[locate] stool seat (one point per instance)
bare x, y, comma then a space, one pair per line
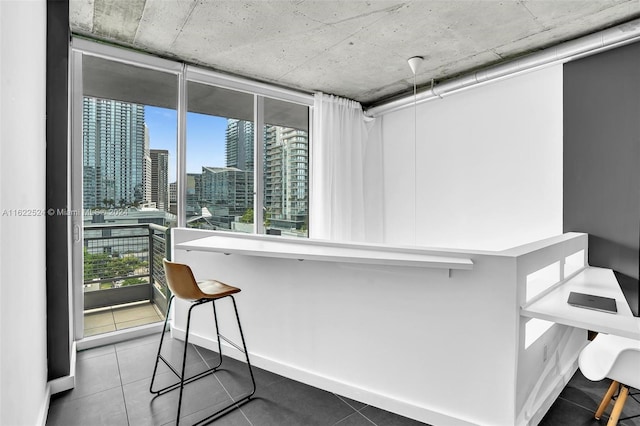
212, 289
183, 285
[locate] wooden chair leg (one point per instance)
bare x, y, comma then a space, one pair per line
606, 399
617, 409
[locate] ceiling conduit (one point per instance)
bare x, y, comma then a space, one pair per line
562, 53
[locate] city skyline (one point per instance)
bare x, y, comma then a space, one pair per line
205, 138
134, 147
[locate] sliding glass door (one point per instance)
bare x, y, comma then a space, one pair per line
124, 150
156, 143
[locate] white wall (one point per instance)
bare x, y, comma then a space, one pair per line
23, 348
489, 166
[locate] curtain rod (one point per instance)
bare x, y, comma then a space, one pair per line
600, 41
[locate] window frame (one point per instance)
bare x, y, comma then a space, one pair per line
189, 73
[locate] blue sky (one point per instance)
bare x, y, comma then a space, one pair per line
205, 138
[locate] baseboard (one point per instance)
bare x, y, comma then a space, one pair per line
58, 385
119, 336
332, 384
64, 383
44, 409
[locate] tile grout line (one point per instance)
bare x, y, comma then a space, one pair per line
221, 384
355, 410
71, 399
604, 415
352, 407
582, 406
124, 400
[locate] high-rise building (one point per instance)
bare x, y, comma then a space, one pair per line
146, 177
239, 144
227, 192
173, 197
194, 194
286, 171
160, 178
113, 153
227, 187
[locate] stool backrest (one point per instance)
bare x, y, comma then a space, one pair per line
181, 281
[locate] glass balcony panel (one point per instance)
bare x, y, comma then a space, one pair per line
124, 282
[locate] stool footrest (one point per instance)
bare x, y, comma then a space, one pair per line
232, 343
187, 380
233, 405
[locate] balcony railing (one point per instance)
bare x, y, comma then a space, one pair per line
123, 264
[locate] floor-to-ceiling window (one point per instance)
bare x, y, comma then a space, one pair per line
157, 144
230, 168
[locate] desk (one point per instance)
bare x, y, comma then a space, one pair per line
553, 305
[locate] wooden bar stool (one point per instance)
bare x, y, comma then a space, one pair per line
184, 286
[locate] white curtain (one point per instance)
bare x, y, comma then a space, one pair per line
346, 172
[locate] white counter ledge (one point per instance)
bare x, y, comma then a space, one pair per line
317, 250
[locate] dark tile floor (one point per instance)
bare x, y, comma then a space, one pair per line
112, 388
580, 399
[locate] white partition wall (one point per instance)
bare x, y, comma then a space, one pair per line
443, 346
486, 169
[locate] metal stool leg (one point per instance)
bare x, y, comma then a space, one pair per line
244, 345
164, 328
159, 357
184, 362
215, 320
235, 404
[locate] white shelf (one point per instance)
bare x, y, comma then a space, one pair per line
279, 247
598, 281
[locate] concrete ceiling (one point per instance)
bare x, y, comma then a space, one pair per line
355, 49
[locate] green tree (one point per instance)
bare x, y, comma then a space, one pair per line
133, 281
267, 218
103, 265
247, 217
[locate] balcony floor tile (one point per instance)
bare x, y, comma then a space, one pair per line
99, 330
98, 319
136, 312
114, 318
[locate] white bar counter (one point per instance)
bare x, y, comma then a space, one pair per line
416, 331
